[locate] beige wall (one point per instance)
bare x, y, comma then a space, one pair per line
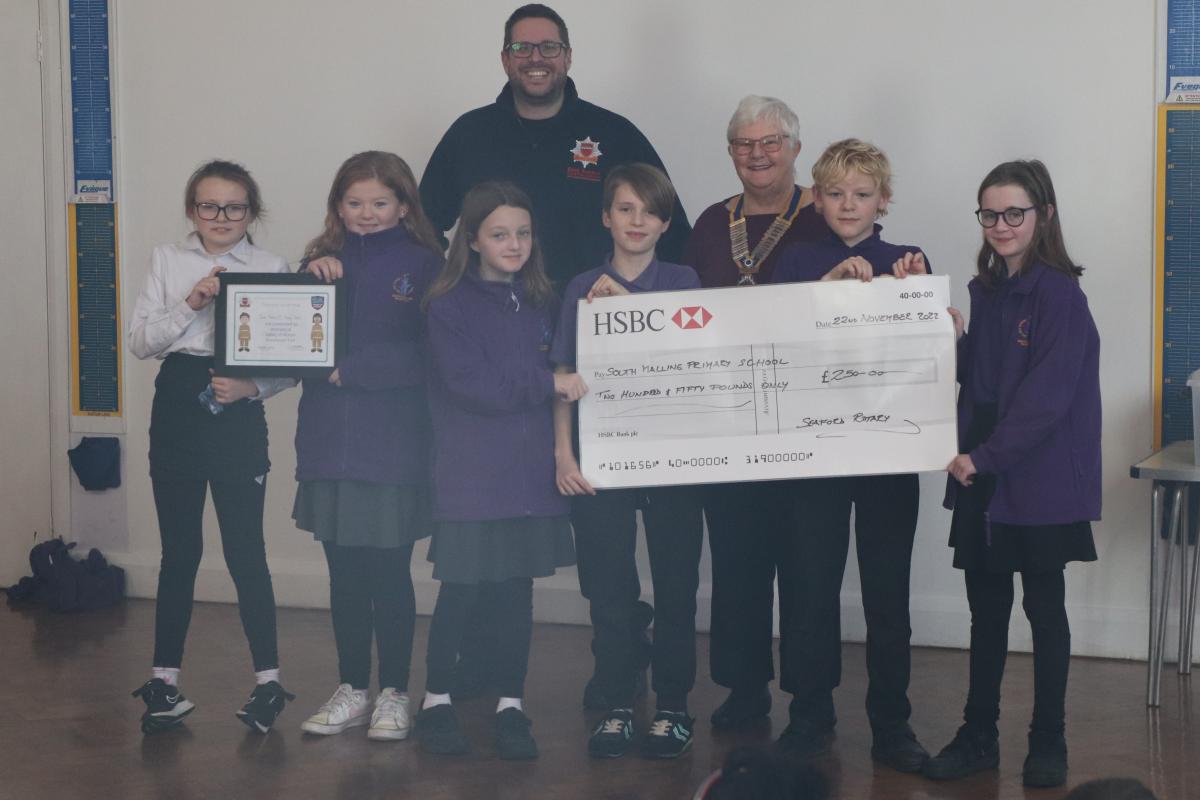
24, 391
947, 87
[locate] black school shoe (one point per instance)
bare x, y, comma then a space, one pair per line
612, 735
438, 731
265, 705
897, 747
742, 708
165, 705
805, 737
972, 750
669, 736
1046, 764
514, 742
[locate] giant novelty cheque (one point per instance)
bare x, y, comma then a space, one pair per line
767, 382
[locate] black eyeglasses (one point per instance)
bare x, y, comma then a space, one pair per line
769, 144
1013, 216
234, 212
525, 49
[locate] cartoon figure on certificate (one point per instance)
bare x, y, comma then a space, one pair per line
318, 335
244, 332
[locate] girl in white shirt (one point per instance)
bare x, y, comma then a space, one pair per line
196, 445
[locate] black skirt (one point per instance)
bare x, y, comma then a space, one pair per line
490, 551
997, 547
190, 442
362, 514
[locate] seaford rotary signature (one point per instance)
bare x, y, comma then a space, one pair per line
790, 380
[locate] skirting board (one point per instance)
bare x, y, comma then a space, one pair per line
937, 621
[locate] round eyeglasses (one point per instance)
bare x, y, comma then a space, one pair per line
1013, 216
234, 212
525, 49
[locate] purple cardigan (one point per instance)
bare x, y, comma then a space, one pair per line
1045, 450
491, 392
374, 427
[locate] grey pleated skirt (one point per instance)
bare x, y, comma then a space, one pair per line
362, 514
496, 550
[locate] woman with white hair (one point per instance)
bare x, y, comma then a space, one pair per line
751, 525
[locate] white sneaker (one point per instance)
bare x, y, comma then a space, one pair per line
390, 720
346, 709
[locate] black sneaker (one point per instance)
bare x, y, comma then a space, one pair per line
805, 737
514, 742
265, 704
165, 705
670, 735
899, 749
1046, 764
438, 731
612, 735
972, 750
742, 708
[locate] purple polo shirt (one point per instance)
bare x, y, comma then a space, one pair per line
658, 276
809, 261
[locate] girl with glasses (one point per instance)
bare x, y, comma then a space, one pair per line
198, 444
1027, 482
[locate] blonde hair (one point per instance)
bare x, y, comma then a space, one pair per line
853, 155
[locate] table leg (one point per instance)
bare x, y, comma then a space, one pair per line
1165, 597
1189, 623
1184, 585
1157, 498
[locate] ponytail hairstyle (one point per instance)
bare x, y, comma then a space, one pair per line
391, 171
227, 171
477, 206
1047, 245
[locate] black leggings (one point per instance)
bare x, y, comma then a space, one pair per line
991, 598
371, 591
239, 506
512, 613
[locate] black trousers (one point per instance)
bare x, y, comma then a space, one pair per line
371, 592
605, 543
885, 512
239, 506
512, 614
749, 533
991, 599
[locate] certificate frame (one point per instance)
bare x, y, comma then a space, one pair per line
285, 300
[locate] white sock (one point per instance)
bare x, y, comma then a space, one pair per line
432, 700
266, 676
168, 675
508, 702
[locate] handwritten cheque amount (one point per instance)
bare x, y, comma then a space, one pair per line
767, 382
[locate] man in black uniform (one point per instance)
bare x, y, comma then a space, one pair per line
541, 136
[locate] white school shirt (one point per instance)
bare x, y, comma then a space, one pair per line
163, 322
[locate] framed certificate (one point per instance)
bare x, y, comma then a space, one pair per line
278, 324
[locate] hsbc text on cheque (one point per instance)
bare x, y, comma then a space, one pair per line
767, 382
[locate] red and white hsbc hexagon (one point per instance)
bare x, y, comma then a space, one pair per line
691, 317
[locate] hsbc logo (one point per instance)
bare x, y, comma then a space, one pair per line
690, 317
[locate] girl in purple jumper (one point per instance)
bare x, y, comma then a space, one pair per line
500, 521
1027, 483
362, 437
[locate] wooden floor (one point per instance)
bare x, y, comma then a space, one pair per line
70, 728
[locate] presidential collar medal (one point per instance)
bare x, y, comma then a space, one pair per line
748, 262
